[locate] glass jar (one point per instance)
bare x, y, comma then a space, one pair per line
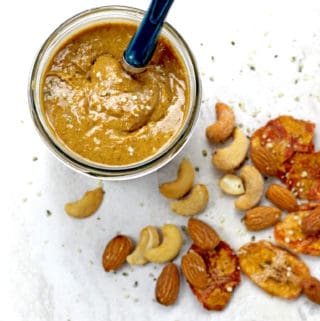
71, 27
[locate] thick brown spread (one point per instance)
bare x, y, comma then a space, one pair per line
104, 114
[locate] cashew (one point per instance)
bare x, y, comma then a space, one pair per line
253, 183
231, 157
223, 127
182, 184
231, 184
149, 238
193, 203
85, 206
169, 248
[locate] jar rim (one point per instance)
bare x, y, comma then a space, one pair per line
65, 154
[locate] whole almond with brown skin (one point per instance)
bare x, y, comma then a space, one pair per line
264, 160
261, 217
203, 235
282, 198
168, 285
194, 269
116, 252
311, 288
311, 223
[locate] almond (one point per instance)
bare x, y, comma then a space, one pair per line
310, 224
311, 288
168, 284
203, 235
282, 197
194, 269
261, 217
264, 160
116, 252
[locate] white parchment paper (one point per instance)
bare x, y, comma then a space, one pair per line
261, 57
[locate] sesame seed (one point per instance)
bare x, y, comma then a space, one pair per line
287, 239
130, 150
269, 145
96, 140
229, 288
304, 174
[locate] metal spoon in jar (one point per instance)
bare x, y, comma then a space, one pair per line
142, 45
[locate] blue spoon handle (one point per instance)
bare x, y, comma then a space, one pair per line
143, 43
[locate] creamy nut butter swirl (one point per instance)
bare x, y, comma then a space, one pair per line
103, 113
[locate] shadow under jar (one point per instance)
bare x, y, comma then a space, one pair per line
97, 118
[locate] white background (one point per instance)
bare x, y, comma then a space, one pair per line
50, 266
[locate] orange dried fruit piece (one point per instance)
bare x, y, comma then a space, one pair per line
274, 270
276, 142
222, 267
303, 175
289, 234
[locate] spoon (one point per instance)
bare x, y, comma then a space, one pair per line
142, 45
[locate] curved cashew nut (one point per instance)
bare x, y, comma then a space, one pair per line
231, 157
194, 203
253, 182
231, 184
149, 238
169, 248
223, 127
85, 206
182, 184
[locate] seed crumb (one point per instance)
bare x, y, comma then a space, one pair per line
229, 288
304, 174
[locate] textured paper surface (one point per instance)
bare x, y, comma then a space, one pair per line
261, 57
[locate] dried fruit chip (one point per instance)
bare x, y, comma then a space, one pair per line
303, 175
289, 234
273, 269
278, 140
222, 266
